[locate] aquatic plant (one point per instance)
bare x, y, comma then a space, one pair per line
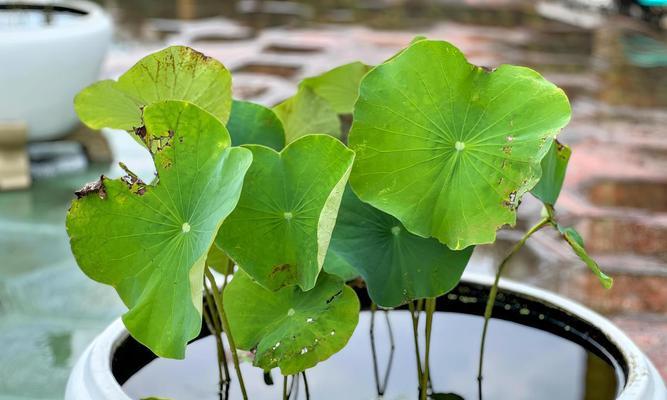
283, 208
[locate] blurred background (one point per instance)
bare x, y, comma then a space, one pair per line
609, 56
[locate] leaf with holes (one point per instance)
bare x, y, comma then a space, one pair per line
339, 86
279, 232
554, 167
396, 265
250, 123
150, 241
307, 113
576, 242
449, 148
175, 73
289, 328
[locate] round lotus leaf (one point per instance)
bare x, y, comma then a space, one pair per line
447, 147
307, 113
174, 73
339, 86
150, 241
251, 123
396, 265
280, 231
289, 328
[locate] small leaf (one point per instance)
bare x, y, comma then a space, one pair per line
289, 328
397, 265
339, 86
447, 147
175, 73
150, 241
218, 260
280, 231
250, 123
307, 113
554, 166
575, 241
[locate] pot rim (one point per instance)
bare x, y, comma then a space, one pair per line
93, 17
92, 378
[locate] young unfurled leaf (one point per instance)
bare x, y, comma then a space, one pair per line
397, 265
554, 166
575, 241
307, 113
447, 147
339, 86
280, 231
289, 328
150, 242
251, 123
175, 73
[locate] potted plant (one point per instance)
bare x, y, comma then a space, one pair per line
51, 50
257, 217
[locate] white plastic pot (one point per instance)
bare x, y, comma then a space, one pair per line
42, 67
92, 379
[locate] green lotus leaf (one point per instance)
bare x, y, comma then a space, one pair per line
339, 86
150, 242
397, 265
336, 265
289, 328
447, 147
280, 231
174, 73
576, 242
250, 123
218, 261
307, 113
554, 166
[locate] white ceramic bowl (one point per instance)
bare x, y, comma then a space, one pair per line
92, 379
44, 66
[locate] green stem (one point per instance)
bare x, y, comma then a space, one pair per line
285, 387
430, 309
222, 377
494, 292
376, 373
225, 327
217, 329
305, 383
414, 316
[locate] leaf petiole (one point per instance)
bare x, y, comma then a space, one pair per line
225, 327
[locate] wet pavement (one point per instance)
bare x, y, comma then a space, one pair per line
613, 68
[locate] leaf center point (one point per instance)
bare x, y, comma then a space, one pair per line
290, 312
287, 215
185, 227
395, 230
459, 146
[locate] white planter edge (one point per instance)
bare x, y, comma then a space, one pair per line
92, 379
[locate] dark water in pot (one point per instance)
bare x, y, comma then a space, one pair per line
548, 356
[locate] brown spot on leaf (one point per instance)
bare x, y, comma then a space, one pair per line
93, 187
277, 269
141, 132
132, 181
